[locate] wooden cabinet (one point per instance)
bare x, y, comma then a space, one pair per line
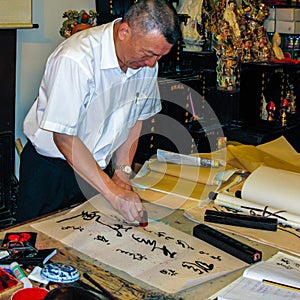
260, 84
8, 182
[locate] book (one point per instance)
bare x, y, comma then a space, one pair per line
277, 278
20, 238
38, 257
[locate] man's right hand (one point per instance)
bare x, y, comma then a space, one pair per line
126, 202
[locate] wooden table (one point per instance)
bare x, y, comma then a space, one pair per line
122, 285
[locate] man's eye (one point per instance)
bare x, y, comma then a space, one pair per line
147, 54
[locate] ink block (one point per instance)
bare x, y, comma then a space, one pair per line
242, 220
227, 243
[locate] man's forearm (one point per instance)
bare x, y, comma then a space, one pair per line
82, 161
125, 154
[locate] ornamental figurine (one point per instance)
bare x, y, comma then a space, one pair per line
227, 63
77, 21
271, 108
231, 16
284, 104
276, 42
248, 54
264, 112
291, 99
192, 38
263, 47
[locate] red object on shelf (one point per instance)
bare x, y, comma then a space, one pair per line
285, 60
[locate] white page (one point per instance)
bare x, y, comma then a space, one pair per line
249, 289
287, 261
269, 271
281, 268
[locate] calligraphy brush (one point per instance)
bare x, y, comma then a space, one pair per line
105, 292
91, 289
160, 296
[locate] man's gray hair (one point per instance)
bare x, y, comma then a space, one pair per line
149, 15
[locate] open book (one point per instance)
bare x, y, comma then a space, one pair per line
277, 278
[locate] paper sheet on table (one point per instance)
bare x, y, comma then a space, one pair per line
185, 184
158, 254
166, 200
203, 175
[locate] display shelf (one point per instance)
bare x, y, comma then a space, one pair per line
267, 82
290, 46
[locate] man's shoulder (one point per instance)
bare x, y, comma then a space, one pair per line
83, 44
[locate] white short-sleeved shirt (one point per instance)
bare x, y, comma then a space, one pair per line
85, 93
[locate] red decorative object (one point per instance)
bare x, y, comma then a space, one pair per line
284, 103
271, 107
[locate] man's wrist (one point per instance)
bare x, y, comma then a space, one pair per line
125, 168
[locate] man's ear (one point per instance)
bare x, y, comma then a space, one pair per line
124, 31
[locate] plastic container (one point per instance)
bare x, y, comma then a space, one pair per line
20, 275
33, 293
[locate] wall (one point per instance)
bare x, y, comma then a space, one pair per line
33, 49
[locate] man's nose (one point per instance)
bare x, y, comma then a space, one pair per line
150, 62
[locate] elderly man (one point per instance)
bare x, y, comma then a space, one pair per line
98, 87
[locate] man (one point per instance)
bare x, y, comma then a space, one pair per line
98, 86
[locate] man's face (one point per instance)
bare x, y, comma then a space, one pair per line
144, 50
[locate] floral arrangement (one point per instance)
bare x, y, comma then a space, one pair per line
77, 21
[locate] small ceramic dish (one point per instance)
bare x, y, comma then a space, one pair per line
59, 272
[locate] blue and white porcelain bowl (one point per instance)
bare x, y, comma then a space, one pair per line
59, 272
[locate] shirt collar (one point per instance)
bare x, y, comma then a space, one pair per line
109, 58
